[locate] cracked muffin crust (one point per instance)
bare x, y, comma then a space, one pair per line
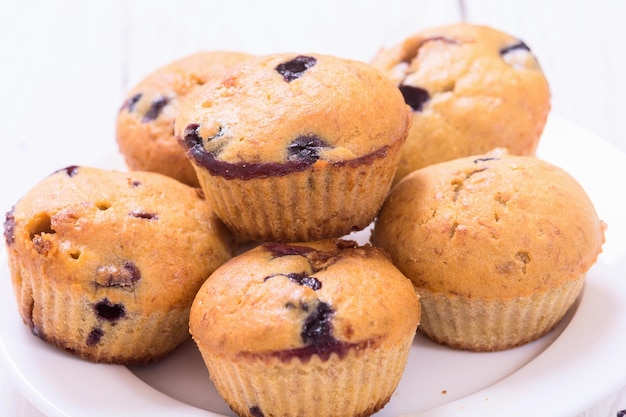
295, 147
145, 121
471, 88
105, 264
497, 245
289, 329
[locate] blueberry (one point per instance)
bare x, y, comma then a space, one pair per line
144, 215
70, 170
94, 336
477, 160
155, 109
515, 47
191, 137
9, 227
415, 97
294, 69
108, 311
318, 329
305, 280
301, 278
305, 148
283, 249
131, 102
255, 411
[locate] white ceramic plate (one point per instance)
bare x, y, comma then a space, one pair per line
562, 374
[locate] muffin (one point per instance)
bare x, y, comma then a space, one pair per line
497, 246
145, 122
294, 147
105, 264
471, 88
308, 329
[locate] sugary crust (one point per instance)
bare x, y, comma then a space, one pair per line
485, 90
251, 306
147, 143
253, 114
490, 227
110, 252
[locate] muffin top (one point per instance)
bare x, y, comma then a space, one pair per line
281, 113
490, 226
298, 300
108, 234
471, 88
145, 122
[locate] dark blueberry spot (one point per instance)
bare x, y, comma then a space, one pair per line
144, 215
132, 270
477, 160
155, 109
191, 139
283, 249
415, 97
294, 69
108, 311
9, 227
621, 413
305, 149
70, 170
134, 183
304, 279
515, 47
301, 278
255, 411
132, 102
94, 336
318, 329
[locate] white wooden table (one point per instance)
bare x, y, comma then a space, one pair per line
66, 65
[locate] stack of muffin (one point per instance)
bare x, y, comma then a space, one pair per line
475, 241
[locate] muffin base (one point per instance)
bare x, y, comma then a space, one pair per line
491, 325
359, 384
326, 200
66, 318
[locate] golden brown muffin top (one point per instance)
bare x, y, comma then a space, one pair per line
284, 112
297, 300
472, 88
145, 122
109, 233
490, 226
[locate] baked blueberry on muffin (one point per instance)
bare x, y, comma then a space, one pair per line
307, 329
471, 88
145, 122
106, 264
497, 246
294, 147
